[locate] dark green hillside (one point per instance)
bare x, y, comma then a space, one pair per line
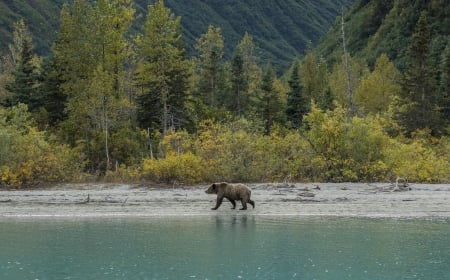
281, 28
376, 27
41, 17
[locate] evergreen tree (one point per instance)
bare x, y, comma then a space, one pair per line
91, 52
314, 79
74, 51
239, 81
53, 99
444, 88
210, 48
418, 101
24, 88
297, 104
252, 73
270, 106
163, 71
326, 102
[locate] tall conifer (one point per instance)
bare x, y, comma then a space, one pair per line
444, 88
418, 100
162, 73
239, 83
297, 104
24, 88
270, 105
210, 48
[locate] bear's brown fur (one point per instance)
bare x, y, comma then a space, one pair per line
232, 192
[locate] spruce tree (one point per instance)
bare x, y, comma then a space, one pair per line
418, 101
444, 87
52, 98
239, 83
163, 72
297, 104
211, 84
24, 88
270, 105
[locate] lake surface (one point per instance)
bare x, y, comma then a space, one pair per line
224, 247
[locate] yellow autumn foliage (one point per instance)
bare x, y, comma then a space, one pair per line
27, 158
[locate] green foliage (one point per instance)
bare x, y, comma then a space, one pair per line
52, 97
444, 88
418, 106
25, 77
314, 76
41, 17
90, 57
377, 27
269, 101
375, 94
162, 72
211, 82
239, 99
297, 105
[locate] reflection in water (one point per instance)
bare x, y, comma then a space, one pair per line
224, 247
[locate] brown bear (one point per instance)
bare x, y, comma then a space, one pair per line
232, 192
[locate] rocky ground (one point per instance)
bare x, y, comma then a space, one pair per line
346, 199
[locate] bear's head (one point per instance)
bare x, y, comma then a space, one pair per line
212, 189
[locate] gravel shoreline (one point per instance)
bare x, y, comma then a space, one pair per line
340, 200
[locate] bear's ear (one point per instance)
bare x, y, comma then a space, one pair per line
213, 186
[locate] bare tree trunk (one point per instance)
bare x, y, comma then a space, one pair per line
105, 123
347, 70
165, 111
150, 148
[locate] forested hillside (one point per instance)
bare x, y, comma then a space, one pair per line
41, 16
377, 27
115, 105
281, 29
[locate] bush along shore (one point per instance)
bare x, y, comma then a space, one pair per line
334, 148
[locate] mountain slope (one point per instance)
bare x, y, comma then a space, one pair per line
41, 17
373, 27
281, 28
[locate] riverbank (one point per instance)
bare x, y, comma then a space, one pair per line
345, 199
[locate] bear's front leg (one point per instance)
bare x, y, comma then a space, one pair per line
232, 202
218, 202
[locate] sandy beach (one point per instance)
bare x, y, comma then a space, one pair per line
115, 200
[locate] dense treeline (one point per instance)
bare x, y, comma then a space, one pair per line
112, 106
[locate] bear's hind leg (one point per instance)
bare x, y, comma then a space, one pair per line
244, 204
251, 202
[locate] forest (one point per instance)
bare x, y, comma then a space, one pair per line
111, 105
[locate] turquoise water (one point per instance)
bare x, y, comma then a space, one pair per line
223, 247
